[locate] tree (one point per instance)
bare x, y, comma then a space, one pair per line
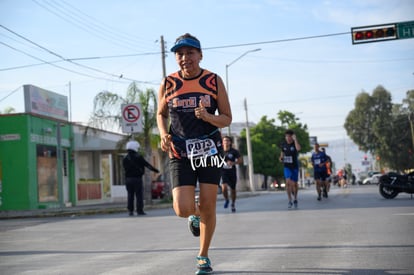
290, 121
382, 128
264, 147
408, 102
107, 114
266, 139
398, 147
8, 110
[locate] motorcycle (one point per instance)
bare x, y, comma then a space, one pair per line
391, 184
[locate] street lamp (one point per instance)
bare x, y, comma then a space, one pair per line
249, 150
227, 71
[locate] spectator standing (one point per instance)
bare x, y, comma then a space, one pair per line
134, 167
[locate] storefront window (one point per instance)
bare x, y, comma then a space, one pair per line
119, 173
88, 165
47, 173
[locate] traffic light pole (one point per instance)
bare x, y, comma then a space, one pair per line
411, 120
383, 32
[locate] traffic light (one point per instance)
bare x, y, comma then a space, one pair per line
374, 33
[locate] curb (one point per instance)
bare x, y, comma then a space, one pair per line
85, 210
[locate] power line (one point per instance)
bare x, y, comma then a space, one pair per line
102, 25
12, 92
67, 60
277, 41
29, 65
226, 46
71, 60
86, 25
54, 65
20, 42
79, 59
157, 53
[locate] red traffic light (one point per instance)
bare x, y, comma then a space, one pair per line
373, 33
369, 34
359, 35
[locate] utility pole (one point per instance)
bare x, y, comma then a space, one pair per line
164, 160
411, 120
164, 74
70, 102
249, 149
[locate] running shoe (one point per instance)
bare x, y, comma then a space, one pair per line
233, 208
226, 204
295, 203
319, 197
203, 266
194, 225
290, 204
325, 194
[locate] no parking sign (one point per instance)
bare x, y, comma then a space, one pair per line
131, 118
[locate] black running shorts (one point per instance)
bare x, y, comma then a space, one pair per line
184, 172
230, 180
320, 175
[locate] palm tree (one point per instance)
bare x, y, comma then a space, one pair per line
8, 110
107, 113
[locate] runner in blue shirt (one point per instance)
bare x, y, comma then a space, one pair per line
319, 160
289, 157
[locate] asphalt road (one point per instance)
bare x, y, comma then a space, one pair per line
354, 231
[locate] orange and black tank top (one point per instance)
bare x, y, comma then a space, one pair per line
183, 96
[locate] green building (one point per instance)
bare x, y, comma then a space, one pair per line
47, 161
36, 170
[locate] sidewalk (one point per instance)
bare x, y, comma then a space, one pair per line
92, 209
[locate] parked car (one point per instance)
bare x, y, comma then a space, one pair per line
374, 179
371, 173
160, 188
277, 185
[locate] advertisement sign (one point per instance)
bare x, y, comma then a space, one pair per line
46, 103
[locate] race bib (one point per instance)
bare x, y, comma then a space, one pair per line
227, 166
317, 161
287, 159
200, 147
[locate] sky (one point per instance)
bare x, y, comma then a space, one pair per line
317, 79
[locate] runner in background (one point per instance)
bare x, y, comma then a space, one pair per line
319, 170
289, 157
328, 173
229, 172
